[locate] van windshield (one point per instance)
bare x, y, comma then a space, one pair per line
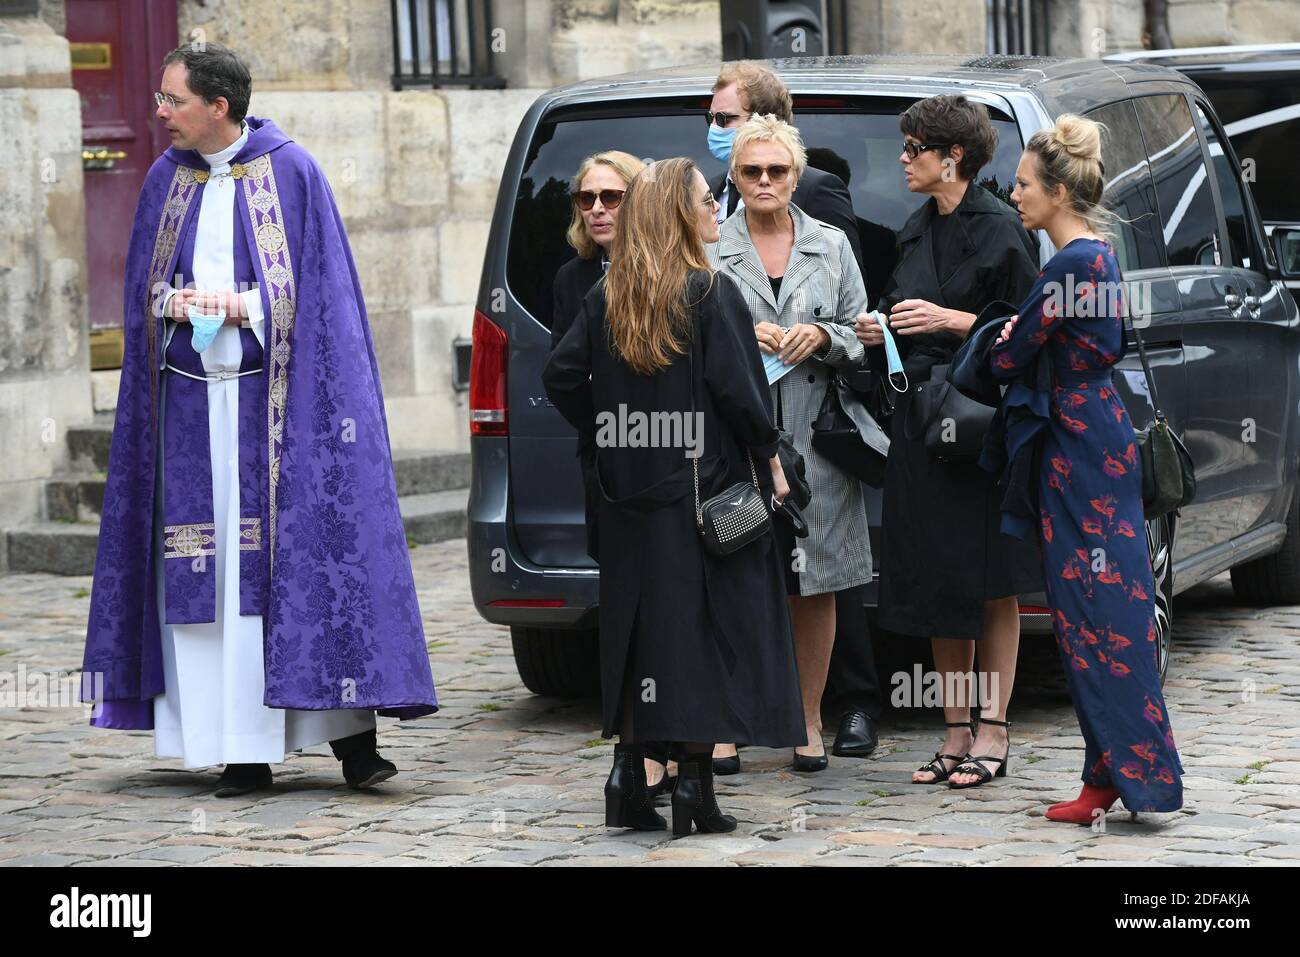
858, 140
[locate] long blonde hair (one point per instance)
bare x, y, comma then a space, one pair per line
656, 247
625, 165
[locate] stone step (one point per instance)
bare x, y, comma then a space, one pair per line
88, 443
68, 548
71, 498
80, 496
430, 470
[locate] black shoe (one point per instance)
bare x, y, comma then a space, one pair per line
367, 769
724, 766
857, 736
809, 763
977, 765
627, 801
239, 779
694, 801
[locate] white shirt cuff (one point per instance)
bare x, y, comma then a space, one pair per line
256, 318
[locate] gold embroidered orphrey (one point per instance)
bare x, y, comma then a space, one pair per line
250, 534
180, 195
267, 220
189, 541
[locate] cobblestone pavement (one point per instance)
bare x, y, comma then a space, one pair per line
501, 776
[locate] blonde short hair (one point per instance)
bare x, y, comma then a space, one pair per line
625, 165
765, 129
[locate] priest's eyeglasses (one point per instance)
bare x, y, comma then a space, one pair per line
609, 198
169, 101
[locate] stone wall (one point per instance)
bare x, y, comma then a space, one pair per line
415, 172
44, 353
1098, 27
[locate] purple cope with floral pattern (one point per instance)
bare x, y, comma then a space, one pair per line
341, 622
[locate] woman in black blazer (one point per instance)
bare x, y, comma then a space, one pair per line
694, 648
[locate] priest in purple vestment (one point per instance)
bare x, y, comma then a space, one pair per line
253, 592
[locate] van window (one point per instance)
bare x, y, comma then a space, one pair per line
1234, 209
1189, 220
1129, 192
854, 138
1257, 108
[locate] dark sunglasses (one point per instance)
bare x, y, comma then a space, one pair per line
723, 119
752, 174
609, 198
916, 149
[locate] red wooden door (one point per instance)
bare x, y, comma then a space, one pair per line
117, 52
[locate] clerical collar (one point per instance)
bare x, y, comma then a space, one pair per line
219, 162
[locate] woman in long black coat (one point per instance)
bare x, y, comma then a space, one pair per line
694, 649
947, 573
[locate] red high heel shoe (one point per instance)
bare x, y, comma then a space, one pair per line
1082, 810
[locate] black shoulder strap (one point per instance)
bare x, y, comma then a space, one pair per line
1146, 368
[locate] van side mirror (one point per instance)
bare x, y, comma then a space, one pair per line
1287, 243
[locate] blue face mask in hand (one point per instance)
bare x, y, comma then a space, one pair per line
720, 142
205, 327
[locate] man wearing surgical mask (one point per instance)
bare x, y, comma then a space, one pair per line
743, 90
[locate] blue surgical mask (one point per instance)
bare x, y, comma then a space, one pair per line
720, 142
204, 328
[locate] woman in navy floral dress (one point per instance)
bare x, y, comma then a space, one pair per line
1095, 560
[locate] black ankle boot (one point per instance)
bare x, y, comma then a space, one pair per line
694, 800
627, 802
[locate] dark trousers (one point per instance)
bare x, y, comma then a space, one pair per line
852, 683
355, 744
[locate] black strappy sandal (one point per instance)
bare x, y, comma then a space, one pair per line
936, 765
976, 766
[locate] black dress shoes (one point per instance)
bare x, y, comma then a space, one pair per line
239, 779
857, 736
367, 769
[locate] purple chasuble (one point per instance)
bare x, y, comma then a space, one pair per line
333, 581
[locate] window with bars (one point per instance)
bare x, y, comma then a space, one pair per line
438, 43
1017, 27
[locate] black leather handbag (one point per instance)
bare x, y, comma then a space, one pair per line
794, 467
1168, 475
732, 519
954, 425
846, 434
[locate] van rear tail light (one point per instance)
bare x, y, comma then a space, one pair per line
487, 378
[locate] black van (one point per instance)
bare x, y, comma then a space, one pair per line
1220, 327
1255, 89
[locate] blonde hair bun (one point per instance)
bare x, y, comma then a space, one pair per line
1078, 136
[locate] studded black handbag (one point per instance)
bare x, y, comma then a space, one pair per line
732, 519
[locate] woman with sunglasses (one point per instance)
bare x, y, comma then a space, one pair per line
598, 189
947, 573
694, 648
803, 287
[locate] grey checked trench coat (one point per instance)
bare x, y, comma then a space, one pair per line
837, 552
